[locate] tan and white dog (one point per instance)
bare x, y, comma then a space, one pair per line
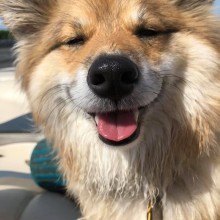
129, 92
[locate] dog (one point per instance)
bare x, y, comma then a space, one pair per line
129, 93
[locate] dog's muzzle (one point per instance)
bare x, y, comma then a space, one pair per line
114, 77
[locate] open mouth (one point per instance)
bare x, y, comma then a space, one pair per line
119, 127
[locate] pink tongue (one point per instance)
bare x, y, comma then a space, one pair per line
117, 126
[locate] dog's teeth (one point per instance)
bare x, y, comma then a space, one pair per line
96, 119
136, 115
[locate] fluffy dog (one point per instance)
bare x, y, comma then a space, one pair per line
129, 93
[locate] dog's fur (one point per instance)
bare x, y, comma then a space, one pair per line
177, 155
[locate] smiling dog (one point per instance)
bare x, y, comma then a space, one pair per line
129, 92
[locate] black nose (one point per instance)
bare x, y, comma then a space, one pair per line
113, 77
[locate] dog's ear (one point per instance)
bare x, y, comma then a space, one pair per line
25, 17
191, 4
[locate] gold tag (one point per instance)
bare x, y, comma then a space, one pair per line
149, 211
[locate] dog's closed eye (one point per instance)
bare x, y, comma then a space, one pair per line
143, 32
77, 41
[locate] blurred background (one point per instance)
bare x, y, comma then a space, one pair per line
18, 135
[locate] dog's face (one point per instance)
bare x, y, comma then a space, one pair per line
123, 82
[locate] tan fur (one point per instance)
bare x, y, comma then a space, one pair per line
177, 154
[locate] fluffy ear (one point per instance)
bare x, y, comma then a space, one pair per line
25, 17
190, 4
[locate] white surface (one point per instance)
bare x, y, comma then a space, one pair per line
2, 26
12, 101
15, 157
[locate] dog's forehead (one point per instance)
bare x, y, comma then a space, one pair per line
111, 14
112, 10
103, 6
